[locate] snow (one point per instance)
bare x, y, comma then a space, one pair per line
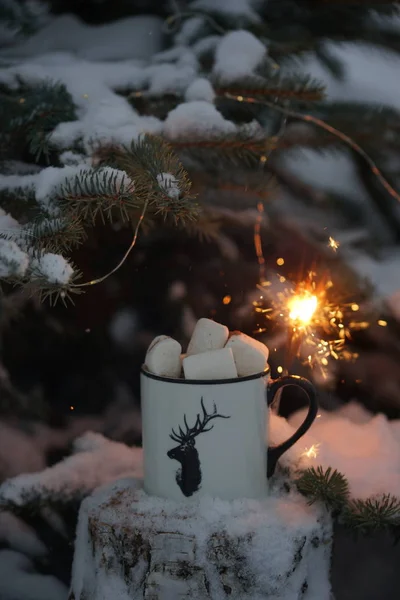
321, 171
237, 55
95, 462
13, 261
70, 158
189, 30
381, 272
364, 66
267, 536
196, 119
53, 267
120, 178
19, 581
49, 180
206, 45
104, 115
170, 79
17, 181
136, 37
362, 446
236, 9
7, 222
169, 184
200, 89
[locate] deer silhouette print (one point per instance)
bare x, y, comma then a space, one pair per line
188, 476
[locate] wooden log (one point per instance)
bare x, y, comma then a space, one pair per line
132, 546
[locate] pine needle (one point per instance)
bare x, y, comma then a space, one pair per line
329, 487
373, 514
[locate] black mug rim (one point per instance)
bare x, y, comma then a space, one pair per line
147, 373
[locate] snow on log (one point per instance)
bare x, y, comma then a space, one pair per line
130, 545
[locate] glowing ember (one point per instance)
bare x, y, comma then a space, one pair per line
312, 452
333, 244
302, 307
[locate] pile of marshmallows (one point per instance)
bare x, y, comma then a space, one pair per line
213, 353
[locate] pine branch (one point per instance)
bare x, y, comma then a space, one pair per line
51, 235
97, 193
54, 235
321, 124
28, 116
19, 16
20, 202
240, 149
301, 88
158, 176
373, 514
329, 487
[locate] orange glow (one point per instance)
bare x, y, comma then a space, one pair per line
302, 307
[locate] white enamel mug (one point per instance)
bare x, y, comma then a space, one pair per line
209, 438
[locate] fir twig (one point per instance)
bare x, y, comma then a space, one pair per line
301, 87
98, 193
323, 125
238, 149
373, 514
123, 259
329, 487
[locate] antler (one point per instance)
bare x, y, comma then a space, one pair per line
199, 426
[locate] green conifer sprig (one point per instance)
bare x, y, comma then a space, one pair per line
53, 235
20, 202
19, 16
373, 514
99, 193
301, 88
30, 114
40, 286
331, 488
128, 184
146, 160
242, 148
50, 235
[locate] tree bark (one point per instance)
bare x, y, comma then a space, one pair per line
132, 546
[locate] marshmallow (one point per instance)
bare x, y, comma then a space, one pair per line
164, 357
207, 335
215, 364
250, 355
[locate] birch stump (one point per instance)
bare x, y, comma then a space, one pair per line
130, 546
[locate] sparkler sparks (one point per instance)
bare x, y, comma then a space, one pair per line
334, 244
302, 307
317, 325
311, 452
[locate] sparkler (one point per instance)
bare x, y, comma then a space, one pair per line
317, 325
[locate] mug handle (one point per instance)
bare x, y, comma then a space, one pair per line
276, 452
